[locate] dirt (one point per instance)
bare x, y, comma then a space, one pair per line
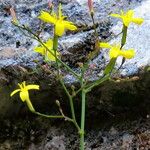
35, 133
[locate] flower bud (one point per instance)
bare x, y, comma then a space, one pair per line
50, 5
90, 5
80, 64
13, 14
58, 103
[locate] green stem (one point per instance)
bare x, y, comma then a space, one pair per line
47, 116
96, 83
55, 43
71, 105
94, 25
82, 121
123, 42
55, 46
31, 108
83, 96
124, 36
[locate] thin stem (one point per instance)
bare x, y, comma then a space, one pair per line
47, 116
82, 121
96, 83
55, 46
83, 96
123, 42
61, 111
124, 36
71, 105
31, 108
94, 25
79, 90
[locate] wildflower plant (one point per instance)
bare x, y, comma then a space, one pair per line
49, 50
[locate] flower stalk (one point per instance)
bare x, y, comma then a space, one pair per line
49, 50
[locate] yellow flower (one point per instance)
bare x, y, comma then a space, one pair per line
24, 94
43, 51
115, 51
58, 21
128, 18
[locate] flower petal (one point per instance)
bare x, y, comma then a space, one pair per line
46, 17
14, 92
130, 13
51, 57
39, 50
49, 43
104, 45
126, 21
24, 95
138, 21
128, 53
69, 25
59, 28
30, 106
115, 15
32, 87
113, 53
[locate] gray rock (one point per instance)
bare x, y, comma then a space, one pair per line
127, 141
138, 38
17, 50
76, 11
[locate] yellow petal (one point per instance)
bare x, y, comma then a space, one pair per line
32, 87
104, 45
49, 43
51, 57
59, 28
130, 13
24, 95
39, 50
14, 92
113, 53
126, 21
46, 17
115, 15
138, 21
128, 53
69, 25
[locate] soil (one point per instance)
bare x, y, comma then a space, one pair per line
35, 133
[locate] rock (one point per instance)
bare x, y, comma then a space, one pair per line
17, 59
113, 131
76, 11
127, 141
138, 38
